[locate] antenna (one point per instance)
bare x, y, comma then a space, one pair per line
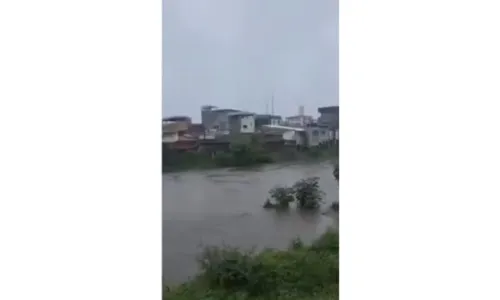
272, 105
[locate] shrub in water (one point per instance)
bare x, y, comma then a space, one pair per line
281, 197
308, 193
336, 172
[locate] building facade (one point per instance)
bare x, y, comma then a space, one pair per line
241, 122
216, 120
329, 116
319, 134
299, 120
261, 120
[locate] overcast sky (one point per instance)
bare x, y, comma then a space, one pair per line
236, 53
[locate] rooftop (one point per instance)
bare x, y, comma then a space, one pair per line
299, 116
283, 127
328, 109
223, 110
176, 119
241, 114
265, 116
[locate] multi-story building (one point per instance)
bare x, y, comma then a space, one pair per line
319, 134
241, 122
329, 116
261, 120
299, 120
216, 120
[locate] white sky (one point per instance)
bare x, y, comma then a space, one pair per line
234, 53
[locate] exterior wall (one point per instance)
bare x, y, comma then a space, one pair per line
318, 135
294, 137
234, 125
275, 121
170, 137
242, 124
329, 116
247, 124
208, 117
261, 120
289, 135
221, 122
299, 120
212, 118
175, 126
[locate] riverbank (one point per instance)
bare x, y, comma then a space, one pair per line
175, 162
300, 272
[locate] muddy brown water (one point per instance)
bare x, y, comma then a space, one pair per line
224, 207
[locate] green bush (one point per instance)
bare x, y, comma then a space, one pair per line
227, 267
301, 272
223, 159
241, 155
281, 197
308, 193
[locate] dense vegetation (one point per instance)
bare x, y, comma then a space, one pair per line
241, 154
300, 272
306, 193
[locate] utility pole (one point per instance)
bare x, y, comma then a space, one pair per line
272, 105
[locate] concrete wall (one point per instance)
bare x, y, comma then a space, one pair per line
298, 121
242, 124
170, 137
295, 137
218, 119
247, 124
222, 122
329, 117
318, 135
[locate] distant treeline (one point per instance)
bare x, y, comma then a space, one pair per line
242, 155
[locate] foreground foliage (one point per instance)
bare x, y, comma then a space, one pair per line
301, 272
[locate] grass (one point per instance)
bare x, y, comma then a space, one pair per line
302, 271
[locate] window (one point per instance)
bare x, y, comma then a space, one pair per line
315, 133
245, 126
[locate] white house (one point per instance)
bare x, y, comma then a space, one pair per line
291, 135
242, 122
317, 135
299, 120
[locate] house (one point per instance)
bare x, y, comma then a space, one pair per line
298, 120
318, 134
295, 136
266, 119
329, 116
216, 120
241, 122
180, 134
172, 126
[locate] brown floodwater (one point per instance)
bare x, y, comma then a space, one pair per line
224, 207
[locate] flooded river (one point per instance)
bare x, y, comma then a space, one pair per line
219, 207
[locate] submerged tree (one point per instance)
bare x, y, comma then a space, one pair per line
336, 172
308, 193
281, 197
